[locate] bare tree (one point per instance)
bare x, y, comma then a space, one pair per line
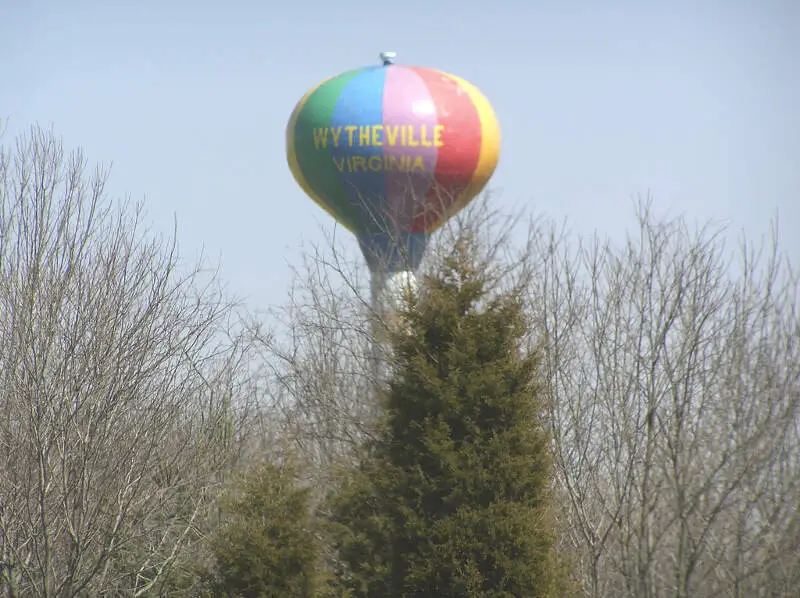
675, 376
122, 402
317, 359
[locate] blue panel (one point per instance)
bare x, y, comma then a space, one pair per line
360, 105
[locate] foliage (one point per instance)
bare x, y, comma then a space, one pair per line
454, 496
265, 546
672, 376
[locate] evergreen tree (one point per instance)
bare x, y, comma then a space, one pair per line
265, 545
453, 497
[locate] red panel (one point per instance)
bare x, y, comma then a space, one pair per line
461, 145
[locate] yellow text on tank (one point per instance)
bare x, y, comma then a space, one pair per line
378, 136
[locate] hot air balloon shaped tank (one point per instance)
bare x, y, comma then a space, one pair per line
391, 152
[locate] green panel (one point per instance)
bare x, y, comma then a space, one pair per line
317, 163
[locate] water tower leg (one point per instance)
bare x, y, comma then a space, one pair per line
388, 291
377, 288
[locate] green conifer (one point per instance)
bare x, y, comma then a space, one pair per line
265, 546
454, 497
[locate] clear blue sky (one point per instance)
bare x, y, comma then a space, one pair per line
696, 101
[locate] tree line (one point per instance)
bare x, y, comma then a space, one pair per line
561, 416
